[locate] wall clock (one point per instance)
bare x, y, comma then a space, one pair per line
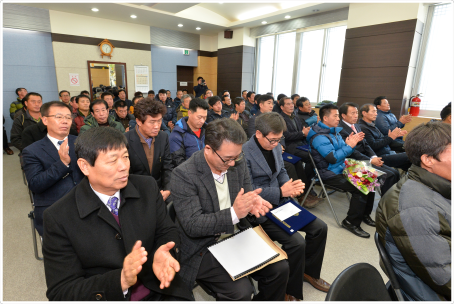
106, 48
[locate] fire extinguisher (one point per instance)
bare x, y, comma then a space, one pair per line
415, 103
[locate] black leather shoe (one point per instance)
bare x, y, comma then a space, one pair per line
369, 221
358, 231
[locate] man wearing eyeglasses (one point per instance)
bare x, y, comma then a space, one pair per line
212, 195
267, 171
50, 164
100, 117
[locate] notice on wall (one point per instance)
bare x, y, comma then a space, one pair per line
183, 84
74, 79
141, 77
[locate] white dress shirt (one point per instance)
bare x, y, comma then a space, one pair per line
350, 125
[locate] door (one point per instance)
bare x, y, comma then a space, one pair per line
185, 78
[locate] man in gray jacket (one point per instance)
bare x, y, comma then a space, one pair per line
414, 216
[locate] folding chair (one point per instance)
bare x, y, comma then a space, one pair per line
323, 193
31, 216
394, 291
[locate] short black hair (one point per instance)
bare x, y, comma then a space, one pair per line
213, 100
198, 103
168, 91
257, 96
200, 77
280, 96
119, 104
162, 91
446, 112
73, 99
282, 100
82, 96
224, 129
148, 106
263, 98
135, 98
89, 144
151, 92
238, 100
28, 96
270, 122
343, 109
44, 110
98, 101
326, 110
300, 101
243, 92
365, 108
377, 101
18, 90
249, 94
84, 92
224, 96
63, 91
138, 93
106, 94
431, 138
121, 90
293, 96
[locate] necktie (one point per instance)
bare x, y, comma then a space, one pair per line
60, 142
354, 129
112, 203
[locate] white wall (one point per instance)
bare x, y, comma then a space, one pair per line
79, 25
241, 36
365, 14
208, 43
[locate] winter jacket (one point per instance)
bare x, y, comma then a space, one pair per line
387, 121
309, 118
78, 120
183, 142
15, 105
125, 121
230, 109
19, 124
328, 149
413, 221
90, 122
294, 136
213, 115
200, 90
376, 140
170, 115
181, 112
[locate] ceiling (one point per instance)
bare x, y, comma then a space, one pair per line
212, 18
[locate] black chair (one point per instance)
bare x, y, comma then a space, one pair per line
394, 289
317, 180
31, 216
359, 282
172, 214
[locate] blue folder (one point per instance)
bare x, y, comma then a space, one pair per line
304, 148
290, 158
295, 222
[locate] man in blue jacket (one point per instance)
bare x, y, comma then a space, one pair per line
188, 136
387, 121
170, 118
329, 151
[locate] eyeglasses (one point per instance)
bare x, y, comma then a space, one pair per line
238, 158
275, 141
61, 117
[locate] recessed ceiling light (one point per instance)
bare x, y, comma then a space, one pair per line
198, 28
287, 17
95, 9
264, 22
315, 10
133, 16
180, 25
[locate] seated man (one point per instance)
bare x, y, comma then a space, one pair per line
243, 114
31, 116
88, 234
109, 98
83, 103
250, 103
178, 99
305, 112
212, 195
170, 118
265, 103
50, 164
266, 170
208, 94
349, 115
122, 96
151, 94
380, 143
121, 114
183, 108
65, 97
414, 217
227, 104
188, 136
329, 151
387, 121
217, 111
99, 117
445, 114
149, 151
74, 105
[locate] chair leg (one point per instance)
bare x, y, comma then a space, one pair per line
329, 201
307, 191
35, 242
23, 177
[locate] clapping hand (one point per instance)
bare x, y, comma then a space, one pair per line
292, 188
63, 152
405, 119
353, 139
250, 202
132, 265
164, 265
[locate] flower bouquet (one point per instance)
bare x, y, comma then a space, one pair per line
362, 176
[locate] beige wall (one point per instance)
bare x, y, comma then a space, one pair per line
241, 36
365, 14
207, 67
79, 25
72, 58
208, 43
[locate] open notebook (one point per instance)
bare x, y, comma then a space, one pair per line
246, 252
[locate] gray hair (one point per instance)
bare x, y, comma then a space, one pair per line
224, 129
270, 122
185, 96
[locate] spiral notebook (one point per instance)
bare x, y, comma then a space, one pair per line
246, 252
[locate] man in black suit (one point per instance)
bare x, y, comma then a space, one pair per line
50, 164
349, 114
265, 103
89, 233
212, 194
149, 150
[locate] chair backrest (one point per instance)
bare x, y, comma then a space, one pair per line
171, 211
388, 266
359, 282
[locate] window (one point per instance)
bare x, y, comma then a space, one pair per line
436, 73
319, 55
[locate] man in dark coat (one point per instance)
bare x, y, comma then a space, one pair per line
89, 233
